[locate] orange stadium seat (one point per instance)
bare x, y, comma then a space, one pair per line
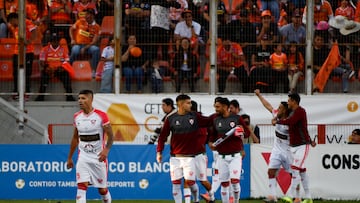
107, 25
7, 46
6, 70
82, 70
103, 43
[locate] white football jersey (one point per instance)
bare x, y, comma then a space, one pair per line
91, 133
282, 131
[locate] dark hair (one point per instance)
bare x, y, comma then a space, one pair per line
224, 101
356, 131
295, 96
285, 104
235, 103
194, 106
12, 16
87, 92
217, 99
293, 43
182, 97
169, 102
245, 116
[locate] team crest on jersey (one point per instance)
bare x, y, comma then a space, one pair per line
232, 124
100, 180
93, 121
191, 121
219, 125
177, 123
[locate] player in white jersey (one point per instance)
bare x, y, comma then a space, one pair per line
280, 153
91, 127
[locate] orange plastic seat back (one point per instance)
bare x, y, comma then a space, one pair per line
82, 70
6, 70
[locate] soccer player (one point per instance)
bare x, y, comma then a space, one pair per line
280, 155
300, 141
230, 159
201, 161
92, 127
184, 126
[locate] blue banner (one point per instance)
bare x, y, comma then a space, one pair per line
39, 172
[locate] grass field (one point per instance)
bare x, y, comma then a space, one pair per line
151, 201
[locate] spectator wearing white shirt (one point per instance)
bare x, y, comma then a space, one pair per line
189, 29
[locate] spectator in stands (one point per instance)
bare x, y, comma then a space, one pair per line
160, 26
52, 58
60, 16
133, 67
231, 60
60, 11
296, 65
357, 12
322, 12
272, 6
320, 53
295, 31
222, 15
253, 10
268, 30
234, 107
37, 11
243, 32
84, 35
279, 64
253, 127
30, 36
105, 8
185, 65
354, 138
137, 14
157, 73
346, 10
80, 7
260, 71
6, 7
189, 29
107, 56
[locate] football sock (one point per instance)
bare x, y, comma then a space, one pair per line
225, 194
305, 184
215, 184
106, 198
294, 182
177, 194
187, 195
272, 187
195, 192
80, 196
236, 189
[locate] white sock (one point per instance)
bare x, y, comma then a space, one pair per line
187, 195
106, 198
305, 184
272, 187
195, 192
177, 194
236, 189
215, 183
225, 194
294, 182
80, 196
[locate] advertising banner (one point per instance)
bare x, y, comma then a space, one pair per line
40, 172
333, 172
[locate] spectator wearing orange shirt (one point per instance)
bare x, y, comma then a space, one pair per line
60, 17
322, 12
80, 7
357, 12
231, 60
84, 35
52, 57
37, 12
6, 7
30, 36
296, 65
279, 64
346, 10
